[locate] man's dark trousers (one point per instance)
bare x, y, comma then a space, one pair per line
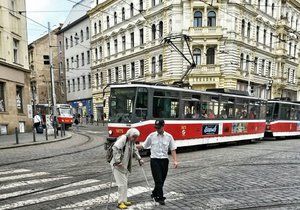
159, 168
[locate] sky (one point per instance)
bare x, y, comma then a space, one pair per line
44, 11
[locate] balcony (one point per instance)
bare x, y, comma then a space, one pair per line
206, 31
207, 70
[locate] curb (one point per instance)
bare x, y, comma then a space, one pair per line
35, 143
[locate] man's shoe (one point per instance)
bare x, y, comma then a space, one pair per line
122, 206
128, 203
161, 202
155, 198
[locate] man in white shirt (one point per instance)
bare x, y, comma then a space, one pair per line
37, 121
159, 143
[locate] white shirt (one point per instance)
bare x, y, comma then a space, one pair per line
37, 119
159, 144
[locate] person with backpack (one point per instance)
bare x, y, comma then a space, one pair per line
123, 151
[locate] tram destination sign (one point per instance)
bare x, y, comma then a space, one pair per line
210, 129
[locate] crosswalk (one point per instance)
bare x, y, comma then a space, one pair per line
21, 188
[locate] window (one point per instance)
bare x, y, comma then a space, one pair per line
95, 28
161, 29
132, 70
292, 21
87, 33
123, 43
160, 61
263, 66
76, 38
243, 28
108, 48
141, 103
82, 59
97, 80
265, 36
197, 56
295, 50
211, 19
266, 6
131, 10
81, 35
273, 7
210, 59
109, 76
117, 74
256, 65
19, 99
83, 83
115, 18
290, 48
141, 6
68, 64
153, 3
247, 63
100, 52
296, 24
124, 73
78, 83
107, 21
71, 40
67, 43
100, 26
197, 19
165, 104
141, 36
142, 68
242, 61
269, 72
132, 39
153, 65
2, 97
271, 40
90, 81
69, 86
116, 46
249, 30
153, 32
72, 63
101, 79
123, 14
77, 61
88, 57
257, 34
258, 2
16, 50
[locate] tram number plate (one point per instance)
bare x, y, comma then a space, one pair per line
210, 129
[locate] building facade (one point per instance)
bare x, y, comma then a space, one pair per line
40, 72
77, 58
14, 72
235, 44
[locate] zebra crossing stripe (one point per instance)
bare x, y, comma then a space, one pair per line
18, 193
7, 178
103, 199
55, 196
14, 171
31, 182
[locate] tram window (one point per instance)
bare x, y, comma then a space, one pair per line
226, 108
141, 103
293, 113
165, 107
276, 111
254, 110
241, 108
209, 109
191, 109
298, 113
269, 112
285, 111
262, 110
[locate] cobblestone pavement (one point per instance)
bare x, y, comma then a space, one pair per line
72, 174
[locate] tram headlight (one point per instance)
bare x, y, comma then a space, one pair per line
110, 132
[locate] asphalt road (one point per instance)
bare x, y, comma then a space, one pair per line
73, 174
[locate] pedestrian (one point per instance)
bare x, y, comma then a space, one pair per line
76, 121
103, 115
37, 121
160, 142
87, 118
92, 119
124, 149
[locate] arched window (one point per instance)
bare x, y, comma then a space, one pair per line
153, 65
131, 10
160, 29
292, 21
95, 28
107, 20
160, 60
100, 26
273, 8
249, 30
87, 33
243, 28
211, 19
210, 55
271, 40
76, 38
96, 54
265, 36
100, 52
197, 56
266, 6
71, 40
123, 14
101, 78
141, 6
247, 62
115, 18
81, 35
290, 48
153, 32
242, 61
97, 80
153, 3
197, 19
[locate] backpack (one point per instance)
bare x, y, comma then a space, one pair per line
109, 150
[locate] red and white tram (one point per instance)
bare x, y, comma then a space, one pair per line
283, 118
192, 117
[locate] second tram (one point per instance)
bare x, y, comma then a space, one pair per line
192, 117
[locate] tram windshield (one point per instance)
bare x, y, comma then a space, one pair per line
121, 104
64, 111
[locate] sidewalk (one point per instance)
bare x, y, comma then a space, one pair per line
26, 139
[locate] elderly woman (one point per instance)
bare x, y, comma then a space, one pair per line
124, 150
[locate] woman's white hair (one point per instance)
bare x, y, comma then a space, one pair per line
132, 132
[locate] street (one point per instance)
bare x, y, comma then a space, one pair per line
73, 174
